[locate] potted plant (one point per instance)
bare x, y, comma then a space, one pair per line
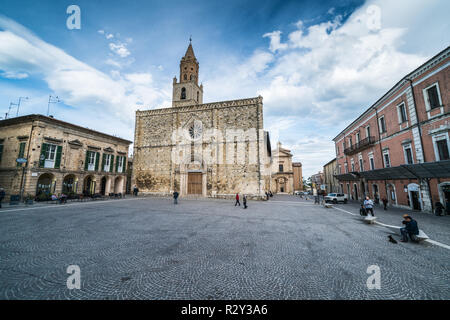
29, 199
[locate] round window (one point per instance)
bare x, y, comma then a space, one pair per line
195, 131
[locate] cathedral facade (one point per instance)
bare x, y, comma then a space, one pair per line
202, 149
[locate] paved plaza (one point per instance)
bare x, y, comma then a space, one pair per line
148, 248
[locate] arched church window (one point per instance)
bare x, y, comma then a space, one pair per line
185, 76
197, 96
183, 93
192, 77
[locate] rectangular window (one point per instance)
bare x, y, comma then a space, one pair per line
387, 160
408, 154
358, 137
382, 124
107, 164
120, 163
361, 165
442, 148
433, 97
50, 156
372, 163
339, 171
402, 113
91, 161
353, 165
21, 152
346, 167
280, 168
367, 131
350, 142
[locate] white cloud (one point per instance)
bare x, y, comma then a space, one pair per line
79, 85
275, 42
139, 78
325, 74
120, 49
113, 63
14, 75
109, 36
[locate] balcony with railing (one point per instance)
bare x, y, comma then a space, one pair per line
361, 145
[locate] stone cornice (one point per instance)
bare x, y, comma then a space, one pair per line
203, 107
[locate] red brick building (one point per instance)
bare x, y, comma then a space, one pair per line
399, 147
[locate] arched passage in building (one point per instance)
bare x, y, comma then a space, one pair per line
375, 193
89, 185
46, 184
69, 184
355, 191
391, 194
118, 185
415, 199
444, 195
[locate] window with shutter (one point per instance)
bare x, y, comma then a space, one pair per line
97, 160
42, 156
58, 157
86, 162
21, 152
50, 156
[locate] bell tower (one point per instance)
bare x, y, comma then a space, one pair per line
187, 92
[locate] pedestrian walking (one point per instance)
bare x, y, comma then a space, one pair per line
385, 202
175, 197
237, 200
135, 191
2, 196
368, 205
244, 201
411, 229
267, 195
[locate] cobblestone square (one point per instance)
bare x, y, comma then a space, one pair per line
149, 248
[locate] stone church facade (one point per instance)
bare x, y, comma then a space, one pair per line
202, 149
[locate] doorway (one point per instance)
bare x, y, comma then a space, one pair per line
195, 185
415, 200
355, 191
103, 186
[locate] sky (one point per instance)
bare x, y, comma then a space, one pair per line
317, 64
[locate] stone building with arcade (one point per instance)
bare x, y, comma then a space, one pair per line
60, 158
